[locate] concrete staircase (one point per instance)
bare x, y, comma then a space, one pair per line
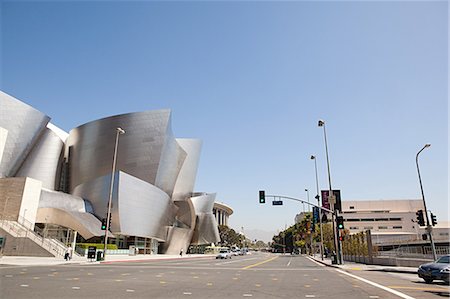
22, 240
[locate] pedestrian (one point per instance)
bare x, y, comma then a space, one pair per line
66, 255
181, 252
69, 250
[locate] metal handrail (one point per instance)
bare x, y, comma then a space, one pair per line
21, 227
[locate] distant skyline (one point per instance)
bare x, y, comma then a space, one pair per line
251, 79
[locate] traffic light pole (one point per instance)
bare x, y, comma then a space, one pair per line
262, 193
429, 228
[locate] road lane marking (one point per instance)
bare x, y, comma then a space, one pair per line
130, 291
235, 261
374, 297
24, 285
75, 288
209, 284
257, 285
310, 296
36, 278
260, 263
187, 293
421, 289
289, 263
9, 275
397, 293
247, 295
307, 286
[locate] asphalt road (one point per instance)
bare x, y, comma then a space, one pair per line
258, 276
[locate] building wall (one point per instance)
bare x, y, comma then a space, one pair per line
19, 199
388, 220
24, 125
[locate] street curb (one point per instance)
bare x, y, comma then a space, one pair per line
325, 264
394, 271
155, 259
391, 270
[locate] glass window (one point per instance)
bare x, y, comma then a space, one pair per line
444, 260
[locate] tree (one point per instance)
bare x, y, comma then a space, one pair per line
229, 237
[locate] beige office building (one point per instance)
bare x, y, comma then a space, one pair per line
389, 221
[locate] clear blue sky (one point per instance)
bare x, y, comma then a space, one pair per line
251, 79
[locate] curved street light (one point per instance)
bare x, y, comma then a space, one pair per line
429, 226
319, 205
321, 123
119, 131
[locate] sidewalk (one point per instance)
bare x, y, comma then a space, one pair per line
364, 267
49, 261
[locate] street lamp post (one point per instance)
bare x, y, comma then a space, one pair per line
321, 123
310, 222
119, 131
319, 205
429, 226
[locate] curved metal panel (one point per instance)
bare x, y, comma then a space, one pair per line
186, 214
63, 201
138, 208
172, 159
3, 136
43, 161
178, 238
204, 203
24, 125
90, 147
84, 223
206, 229
186, 178
144, 210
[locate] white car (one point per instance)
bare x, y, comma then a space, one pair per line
224, 254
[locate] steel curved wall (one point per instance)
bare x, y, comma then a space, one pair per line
138, 208
144, 150
206, 230
186, 178
43, 161
24, 125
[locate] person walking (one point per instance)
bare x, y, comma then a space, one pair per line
181, 252
67, 254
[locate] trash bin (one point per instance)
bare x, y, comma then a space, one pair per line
99, 256
334, 259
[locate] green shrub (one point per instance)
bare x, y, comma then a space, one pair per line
97, 245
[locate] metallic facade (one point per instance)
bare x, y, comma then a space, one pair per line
154, 178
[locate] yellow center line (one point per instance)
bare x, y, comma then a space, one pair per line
420, 289
260, 263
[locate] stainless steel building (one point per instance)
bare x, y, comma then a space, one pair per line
153, 195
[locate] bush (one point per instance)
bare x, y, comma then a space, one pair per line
97, 245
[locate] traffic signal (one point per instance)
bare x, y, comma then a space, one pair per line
109, 222
340, 222
419, 216
433, 219
262, 196
103, 223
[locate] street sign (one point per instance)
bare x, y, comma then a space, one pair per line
336, 198
91, 252
316, 216
277, 203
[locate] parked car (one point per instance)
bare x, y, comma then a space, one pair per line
224, 254
438, 270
